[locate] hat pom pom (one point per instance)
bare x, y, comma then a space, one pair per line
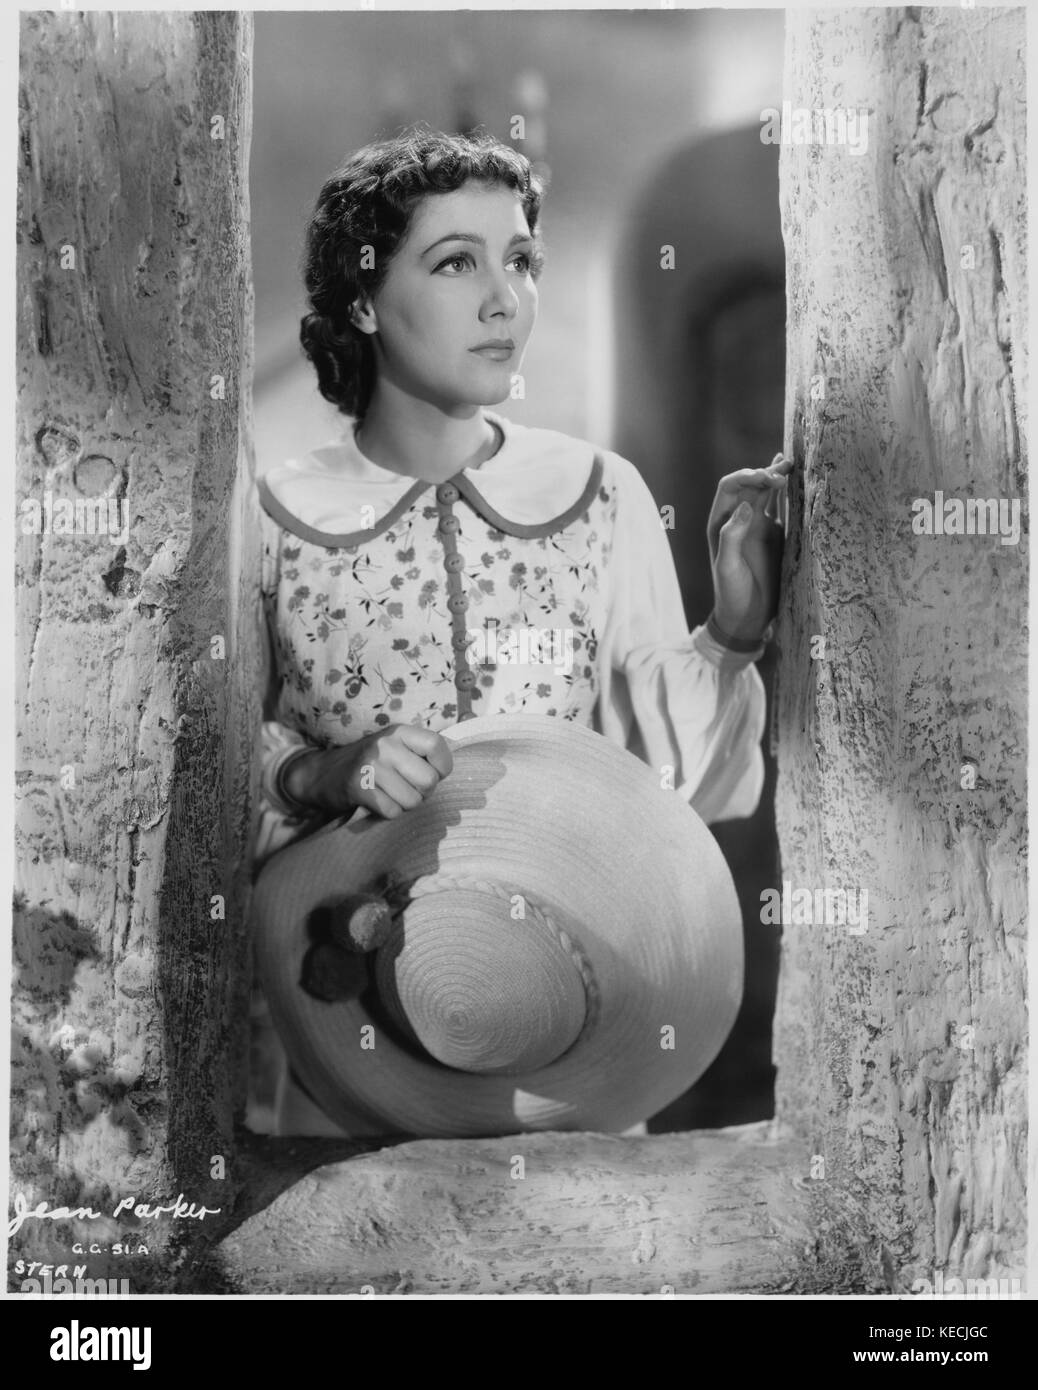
361, 922
334, 968
332, 974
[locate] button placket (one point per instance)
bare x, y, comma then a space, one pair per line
457, 600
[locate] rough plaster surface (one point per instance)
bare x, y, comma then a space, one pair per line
900, 1052
133, 740
541, 1214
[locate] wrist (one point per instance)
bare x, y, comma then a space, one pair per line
315, 781
734, 639
294, 780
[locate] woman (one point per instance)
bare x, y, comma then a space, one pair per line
439, 561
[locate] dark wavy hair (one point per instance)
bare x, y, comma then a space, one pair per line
370, 202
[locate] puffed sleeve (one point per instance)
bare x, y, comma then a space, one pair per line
678, 699
279, 822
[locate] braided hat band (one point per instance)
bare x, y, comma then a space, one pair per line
482, 993
564, 949
485, 978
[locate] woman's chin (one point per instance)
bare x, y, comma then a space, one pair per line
489, 395
496, 392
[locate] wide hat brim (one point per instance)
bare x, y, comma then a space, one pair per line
552, 811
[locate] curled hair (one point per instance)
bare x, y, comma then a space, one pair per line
368, 205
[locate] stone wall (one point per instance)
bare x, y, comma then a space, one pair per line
136, 703
902, 744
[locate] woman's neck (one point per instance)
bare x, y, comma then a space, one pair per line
424, 443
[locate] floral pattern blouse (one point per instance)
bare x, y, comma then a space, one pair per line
540, 582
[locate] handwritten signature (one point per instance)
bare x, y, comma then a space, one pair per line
144, 1211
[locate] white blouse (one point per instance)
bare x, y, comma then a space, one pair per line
551, 531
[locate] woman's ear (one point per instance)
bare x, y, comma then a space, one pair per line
362, 315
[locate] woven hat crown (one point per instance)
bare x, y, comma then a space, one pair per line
483, 978
567, 953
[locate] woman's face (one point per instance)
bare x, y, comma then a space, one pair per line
460, 278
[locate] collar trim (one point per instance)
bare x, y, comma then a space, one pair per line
465, 487
479, 504
330, 539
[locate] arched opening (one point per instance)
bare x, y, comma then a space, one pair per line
699, 312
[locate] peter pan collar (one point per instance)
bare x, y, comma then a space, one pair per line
537, 483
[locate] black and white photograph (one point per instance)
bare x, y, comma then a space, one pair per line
519, 667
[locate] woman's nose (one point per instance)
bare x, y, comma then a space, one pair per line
501, 298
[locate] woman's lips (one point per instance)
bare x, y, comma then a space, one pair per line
498, 354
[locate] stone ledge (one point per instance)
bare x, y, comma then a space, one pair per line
715, 1211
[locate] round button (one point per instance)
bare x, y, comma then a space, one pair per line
457, 603
453, 563
460, 641
465, 680
449, 524
447, 493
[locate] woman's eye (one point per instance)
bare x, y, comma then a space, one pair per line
534, 261
531, 263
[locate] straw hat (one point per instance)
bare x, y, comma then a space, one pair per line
561, 944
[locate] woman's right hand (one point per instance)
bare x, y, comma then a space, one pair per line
387, 772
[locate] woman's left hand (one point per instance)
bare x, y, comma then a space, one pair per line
746, 533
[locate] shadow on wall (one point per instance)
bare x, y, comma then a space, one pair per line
699, 384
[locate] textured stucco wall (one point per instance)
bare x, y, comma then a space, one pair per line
701, 1213
900, 1050
133, 763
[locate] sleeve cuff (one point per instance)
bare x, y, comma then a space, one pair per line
280, 746
721, 655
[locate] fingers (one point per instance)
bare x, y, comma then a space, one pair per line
729, 541
407, 763
733, 531
398, 788
758, 479
744, 522
434, 748
764, 488
414, 770
775, 506
383, 805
